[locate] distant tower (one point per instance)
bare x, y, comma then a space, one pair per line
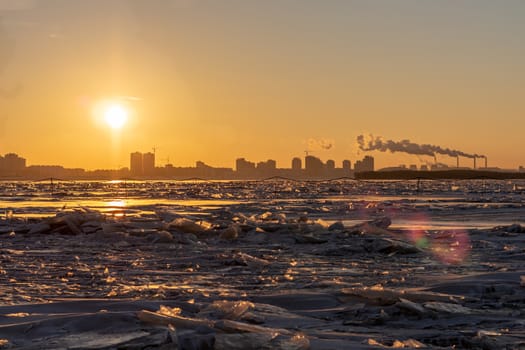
367, 164
135, 164
272, 164
244, 167
313, 166
297, 164
148, 163
347, 165
14, 163
330, 164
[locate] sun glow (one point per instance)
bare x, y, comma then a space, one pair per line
115, 116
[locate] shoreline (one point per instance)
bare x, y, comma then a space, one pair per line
447, 174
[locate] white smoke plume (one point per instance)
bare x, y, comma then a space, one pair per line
320, 144
371, 143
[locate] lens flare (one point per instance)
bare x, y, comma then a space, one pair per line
451, 247
417, 233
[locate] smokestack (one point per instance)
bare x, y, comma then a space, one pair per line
435, 159
474, 163
486, 163
457, 161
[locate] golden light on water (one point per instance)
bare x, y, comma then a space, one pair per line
115, 182
116, 203
116, 208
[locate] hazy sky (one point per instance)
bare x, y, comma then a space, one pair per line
215, 80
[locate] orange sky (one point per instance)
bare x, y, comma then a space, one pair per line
213, 81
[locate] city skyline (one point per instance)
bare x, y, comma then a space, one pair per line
83, 82
149, 160
143, 165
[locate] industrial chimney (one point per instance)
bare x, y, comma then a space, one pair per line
486, 162
457, 161
474, 163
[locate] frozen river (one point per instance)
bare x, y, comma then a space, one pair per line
283, 264
423, 204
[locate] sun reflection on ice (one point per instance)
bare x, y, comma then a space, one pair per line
116, 208
115, 182
116, 204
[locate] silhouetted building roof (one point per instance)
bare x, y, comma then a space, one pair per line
12, 165
244, 166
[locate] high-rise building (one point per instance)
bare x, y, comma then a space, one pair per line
313, 166
330, 164
135, 164
297, 164
367, 164
267, 168
245, 168
242, 165
347, 165
13, 163
148, 163
270, 164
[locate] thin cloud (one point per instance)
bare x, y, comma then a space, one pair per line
10, 93
184, 3
130, 98
17, 5
6, 48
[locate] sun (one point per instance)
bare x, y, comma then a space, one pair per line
115, 116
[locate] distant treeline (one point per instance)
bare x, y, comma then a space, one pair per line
438, 175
